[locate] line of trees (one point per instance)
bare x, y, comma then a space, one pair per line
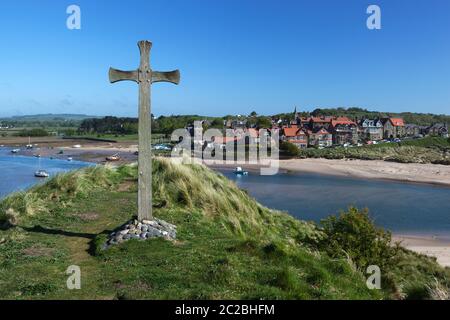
37, 132
163, 124
109, 125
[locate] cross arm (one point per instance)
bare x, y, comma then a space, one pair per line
170, 76
119, 75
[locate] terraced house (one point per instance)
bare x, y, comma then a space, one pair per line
316, 123
320, 138
438, 129
344, 131
371, 129
296, 136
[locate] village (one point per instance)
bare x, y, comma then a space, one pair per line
320, 131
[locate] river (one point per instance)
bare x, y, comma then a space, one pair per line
17, 172
404, 208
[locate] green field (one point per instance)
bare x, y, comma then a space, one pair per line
228, 246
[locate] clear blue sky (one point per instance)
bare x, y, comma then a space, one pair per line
235, 56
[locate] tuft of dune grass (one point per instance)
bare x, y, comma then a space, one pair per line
60, 190
196, 187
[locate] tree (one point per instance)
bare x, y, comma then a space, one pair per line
289, 149
263, 122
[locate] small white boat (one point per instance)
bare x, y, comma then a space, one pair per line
69, 158
29, 145
240, 171
15, 150
41, 174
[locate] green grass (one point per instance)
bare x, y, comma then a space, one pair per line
427, 150
228, 245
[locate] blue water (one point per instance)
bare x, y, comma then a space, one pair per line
404, 208
17, 172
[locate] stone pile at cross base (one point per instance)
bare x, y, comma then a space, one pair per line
142, 230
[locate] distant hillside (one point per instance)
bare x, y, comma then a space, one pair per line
424, 119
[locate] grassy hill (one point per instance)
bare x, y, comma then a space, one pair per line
228, 245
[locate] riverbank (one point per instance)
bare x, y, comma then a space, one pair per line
366, 169
77, 149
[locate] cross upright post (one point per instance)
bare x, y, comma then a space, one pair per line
144, 76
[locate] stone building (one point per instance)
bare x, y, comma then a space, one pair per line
393, 128
371, 129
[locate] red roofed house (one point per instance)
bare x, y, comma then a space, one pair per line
320, 138
393, 128
295, 135
316, 123
344, 130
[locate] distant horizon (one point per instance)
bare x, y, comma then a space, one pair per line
211, 116
237, 56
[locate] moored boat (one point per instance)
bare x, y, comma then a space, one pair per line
41, 174
29, 145
240, 171
114, 157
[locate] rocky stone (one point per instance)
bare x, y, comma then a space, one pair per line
142, 230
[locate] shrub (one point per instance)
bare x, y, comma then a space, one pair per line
289, 149
353, 234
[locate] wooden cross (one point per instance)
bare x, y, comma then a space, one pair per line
144, 76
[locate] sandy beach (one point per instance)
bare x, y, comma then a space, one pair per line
367, 169
373, 169
430, 246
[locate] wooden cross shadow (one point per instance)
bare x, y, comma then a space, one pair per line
91, 236
40, 229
